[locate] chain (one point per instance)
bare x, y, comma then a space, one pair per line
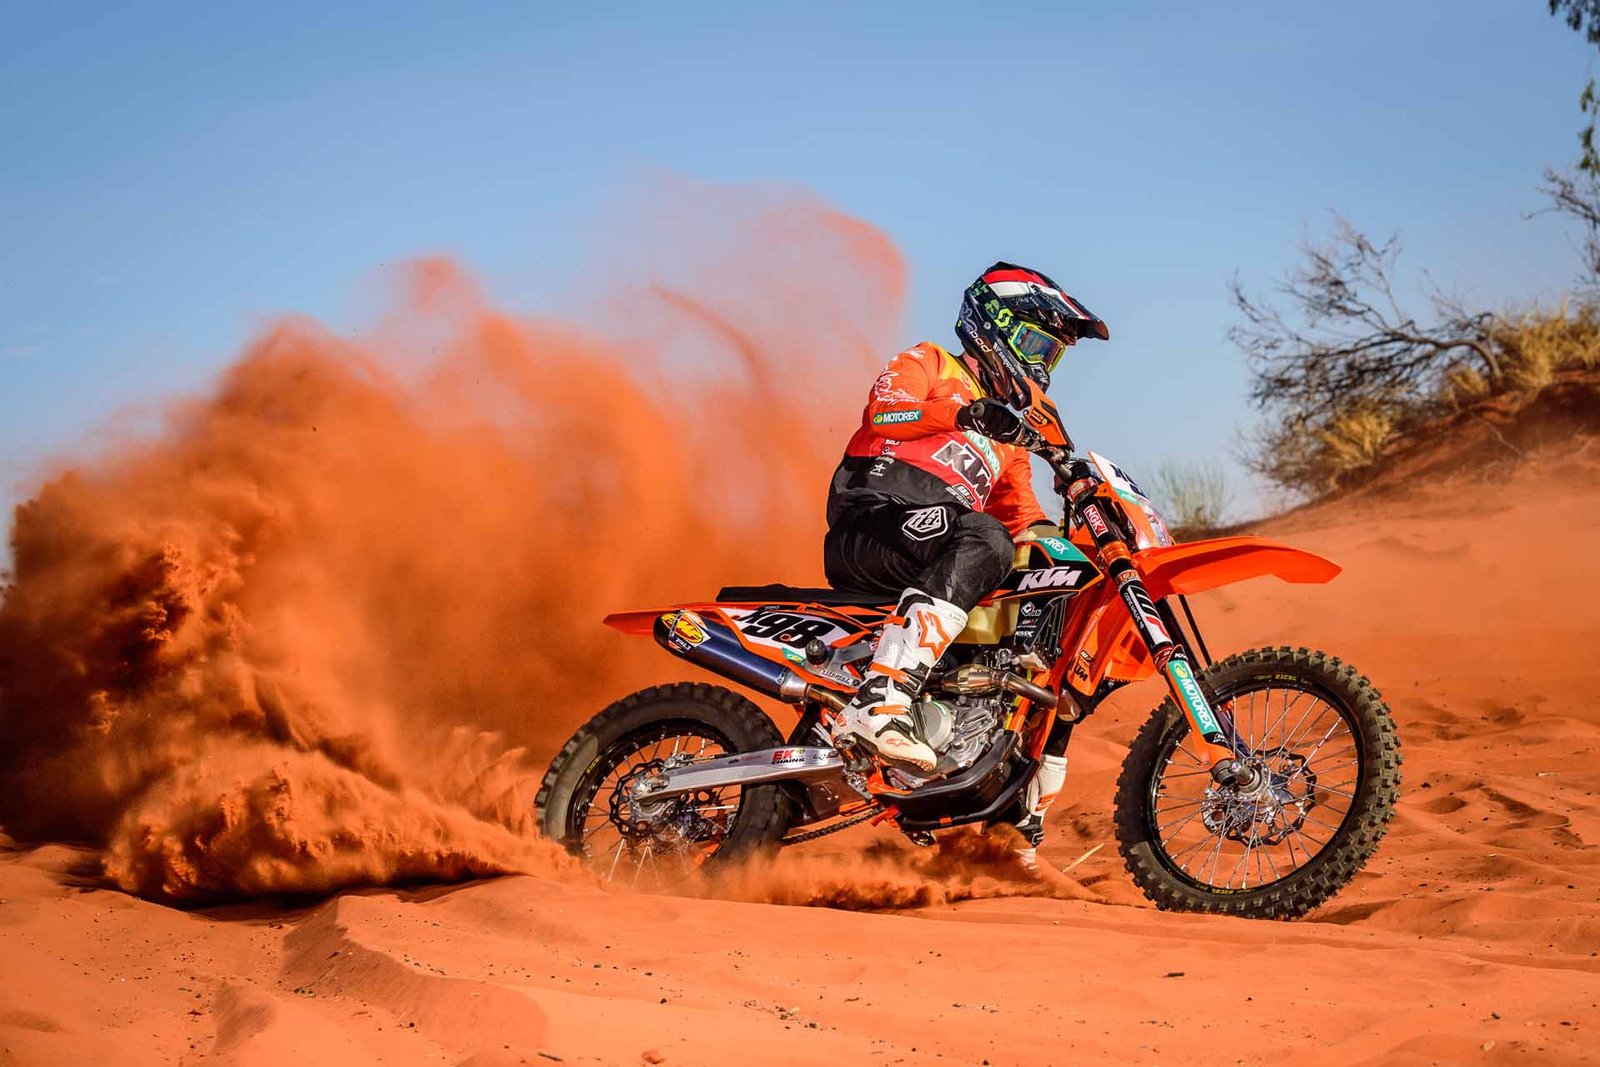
812, 835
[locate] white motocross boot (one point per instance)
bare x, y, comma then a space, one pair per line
913, 639
1041, 793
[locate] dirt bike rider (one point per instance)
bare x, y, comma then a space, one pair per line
933, 491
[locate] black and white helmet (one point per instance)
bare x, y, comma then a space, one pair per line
1016, 323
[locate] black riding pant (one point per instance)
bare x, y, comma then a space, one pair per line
942, 549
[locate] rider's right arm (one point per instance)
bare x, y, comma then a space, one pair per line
899, 407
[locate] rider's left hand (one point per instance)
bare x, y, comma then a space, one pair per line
992, 419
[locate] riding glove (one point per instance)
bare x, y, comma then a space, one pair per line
992, 419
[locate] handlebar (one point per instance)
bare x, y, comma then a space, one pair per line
1067, 467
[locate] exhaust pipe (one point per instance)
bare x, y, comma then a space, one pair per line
975, 679
709, 644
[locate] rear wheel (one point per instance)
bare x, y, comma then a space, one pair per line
585, 801
1327, 759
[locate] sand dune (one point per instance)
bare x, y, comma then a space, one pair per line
1474, 605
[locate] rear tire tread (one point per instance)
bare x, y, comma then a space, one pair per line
765, 811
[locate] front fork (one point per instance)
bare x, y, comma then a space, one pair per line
1228, 758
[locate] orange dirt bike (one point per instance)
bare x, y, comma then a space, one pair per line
1258, 788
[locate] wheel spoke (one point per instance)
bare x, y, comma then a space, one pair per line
1309, 756
1282, 717
1190, 756
1283, 730
1187, 819
615, 857
1326, 826
674, 833
1316, 702
1216, 857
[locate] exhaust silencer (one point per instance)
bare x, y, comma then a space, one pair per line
709, 644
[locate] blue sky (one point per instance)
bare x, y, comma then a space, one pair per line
172, 176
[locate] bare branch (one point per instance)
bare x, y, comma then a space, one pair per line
1338, 341
1578, 198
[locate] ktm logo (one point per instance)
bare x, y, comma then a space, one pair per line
1053, 578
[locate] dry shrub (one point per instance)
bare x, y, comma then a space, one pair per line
1463, 385
1309, 459
1531, 348
1534, 345
1193, 496
1355, 439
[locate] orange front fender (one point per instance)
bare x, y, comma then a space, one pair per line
1196, 566
1111, 644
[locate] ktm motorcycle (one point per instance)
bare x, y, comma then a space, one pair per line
1258, 788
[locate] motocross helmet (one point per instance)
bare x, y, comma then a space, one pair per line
1016, 323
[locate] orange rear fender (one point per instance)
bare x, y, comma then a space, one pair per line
635, 623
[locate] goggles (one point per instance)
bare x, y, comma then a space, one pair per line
1037, 348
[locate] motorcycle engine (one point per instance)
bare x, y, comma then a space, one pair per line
958, 728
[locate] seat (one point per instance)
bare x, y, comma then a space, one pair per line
792, 594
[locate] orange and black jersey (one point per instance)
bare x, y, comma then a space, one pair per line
910, 449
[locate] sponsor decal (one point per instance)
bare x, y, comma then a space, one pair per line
1097, 522
789, 755
1056, 546
843, 676
962, 458
1143, 609
1028, 619
985, 447
896, 416
787, 629
1189, 689
925, 524
888, 390
961, 493
1052, 578
688, 631
1158, 524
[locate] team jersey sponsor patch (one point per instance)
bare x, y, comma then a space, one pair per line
925, 524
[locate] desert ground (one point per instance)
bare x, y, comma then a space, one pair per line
1472, 601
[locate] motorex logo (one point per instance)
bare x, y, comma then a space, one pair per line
896, 416
1190, 691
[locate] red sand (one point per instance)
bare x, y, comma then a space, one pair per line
1472, 937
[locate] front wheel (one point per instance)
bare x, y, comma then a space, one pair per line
584, 801
1328, 761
